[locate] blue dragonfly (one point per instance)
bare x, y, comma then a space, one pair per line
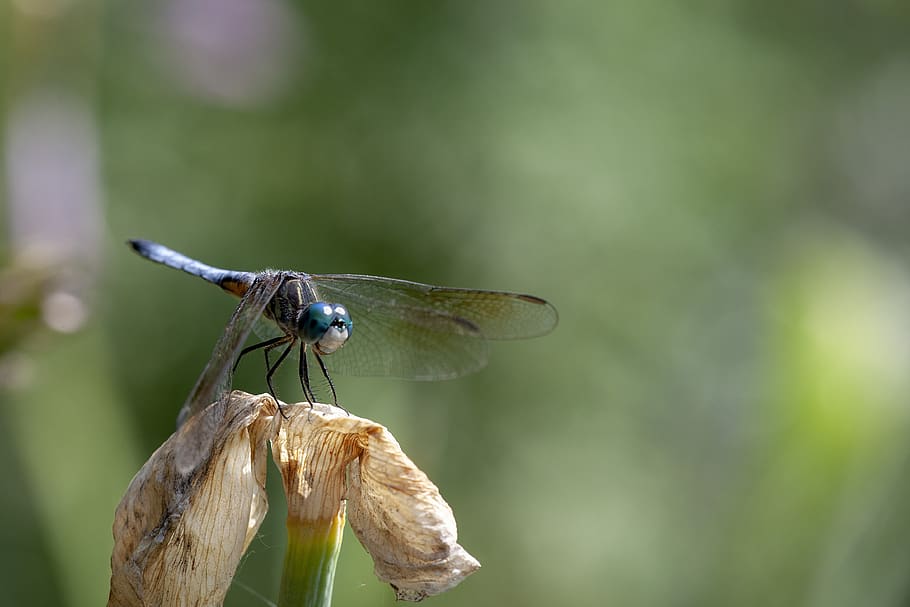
403, 329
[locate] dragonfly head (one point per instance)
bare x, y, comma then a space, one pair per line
324, 326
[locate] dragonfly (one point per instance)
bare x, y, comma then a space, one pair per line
354, 324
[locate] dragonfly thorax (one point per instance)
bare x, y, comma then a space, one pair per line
324, 326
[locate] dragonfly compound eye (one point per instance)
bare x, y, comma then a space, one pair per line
326, 326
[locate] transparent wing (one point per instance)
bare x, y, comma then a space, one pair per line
417, 331
265, 328
215, 380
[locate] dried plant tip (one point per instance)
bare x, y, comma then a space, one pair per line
180, 531
192, 510
312, 461
402, 520
395, 511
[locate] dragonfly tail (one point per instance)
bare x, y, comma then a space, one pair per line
231, 281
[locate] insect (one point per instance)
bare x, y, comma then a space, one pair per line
355, 324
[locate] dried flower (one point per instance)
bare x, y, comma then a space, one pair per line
180, 531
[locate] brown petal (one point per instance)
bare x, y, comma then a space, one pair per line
401, 519
395, 511
180, 530
313, 450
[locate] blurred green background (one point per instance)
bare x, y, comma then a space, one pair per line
713, 194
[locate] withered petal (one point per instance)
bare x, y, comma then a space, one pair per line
400, 517
179, 532
396, 512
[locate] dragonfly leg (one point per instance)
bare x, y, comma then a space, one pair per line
268, 345
273, 368
328, 379
305, 377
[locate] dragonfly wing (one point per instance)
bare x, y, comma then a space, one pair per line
265, 328
383, 344
215, 380
417, 331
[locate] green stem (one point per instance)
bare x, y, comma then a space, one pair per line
309, 563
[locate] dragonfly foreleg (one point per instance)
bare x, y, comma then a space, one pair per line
268, 345
305, 377
273, 368
328, 379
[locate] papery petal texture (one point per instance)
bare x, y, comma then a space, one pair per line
179, 533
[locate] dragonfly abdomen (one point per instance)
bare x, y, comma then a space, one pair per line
231, 281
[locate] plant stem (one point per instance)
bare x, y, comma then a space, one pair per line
309, 563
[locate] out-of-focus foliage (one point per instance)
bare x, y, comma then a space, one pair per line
713, 194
